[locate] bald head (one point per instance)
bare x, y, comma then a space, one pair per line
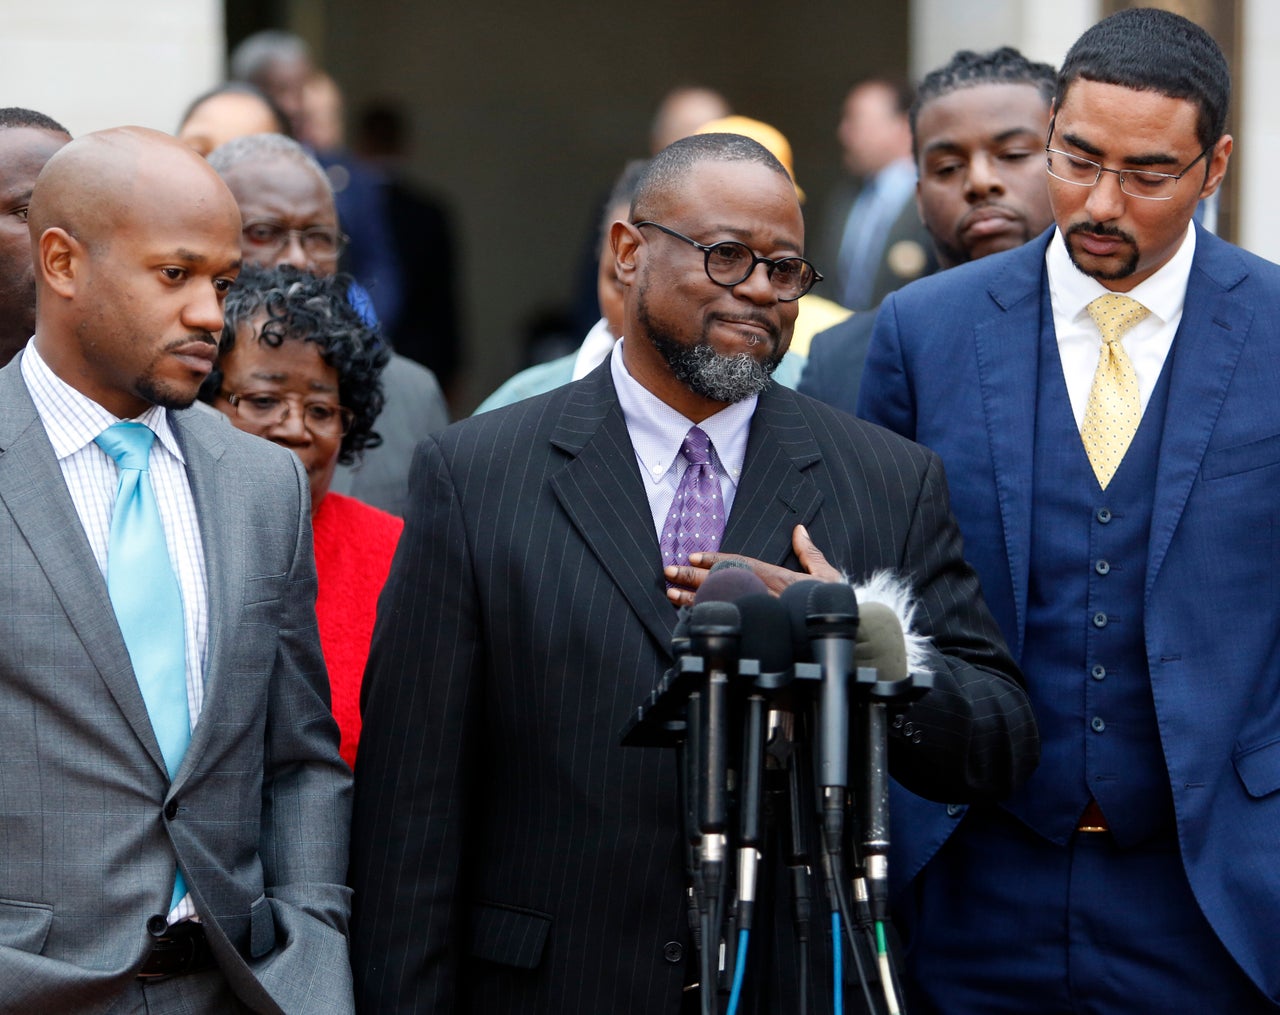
113, 180
136, 243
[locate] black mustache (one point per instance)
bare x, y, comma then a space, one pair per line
1100, 229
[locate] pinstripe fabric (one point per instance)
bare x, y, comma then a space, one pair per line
508, 854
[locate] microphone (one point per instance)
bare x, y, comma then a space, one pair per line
882, 647
827, 612
727, 582
715, 629
766, 640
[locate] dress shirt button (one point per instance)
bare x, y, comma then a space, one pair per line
1102, 567
955, 810
1097, 724
673, 951
1099, 619
171, 809
1098, 673
157, 925
1103, 515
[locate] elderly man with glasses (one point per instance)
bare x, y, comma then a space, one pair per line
511, 856
289, 217
1104, 399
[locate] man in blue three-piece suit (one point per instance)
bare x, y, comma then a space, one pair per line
1104, 400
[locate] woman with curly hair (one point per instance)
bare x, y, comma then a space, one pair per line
299, 366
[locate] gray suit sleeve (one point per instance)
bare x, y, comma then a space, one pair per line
306, 802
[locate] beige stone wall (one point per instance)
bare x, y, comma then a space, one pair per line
91, 64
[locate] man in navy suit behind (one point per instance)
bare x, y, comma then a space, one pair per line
1116, 491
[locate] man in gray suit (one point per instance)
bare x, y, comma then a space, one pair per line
509, 855
147, 864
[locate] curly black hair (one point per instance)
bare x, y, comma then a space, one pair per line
301, 306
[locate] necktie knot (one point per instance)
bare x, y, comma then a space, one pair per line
696, 447
1115, 314
128, 443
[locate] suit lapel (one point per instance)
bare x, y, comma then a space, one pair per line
1205, 352
601, 492
775, 495
1007, 342
33, 490
225, 565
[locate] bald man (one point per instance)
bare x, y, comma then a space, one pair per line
174, 810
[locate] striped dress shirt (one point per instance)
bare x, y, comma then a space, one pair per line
72, 421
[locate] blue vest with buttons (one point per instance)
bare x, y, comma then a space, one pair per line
1085, 655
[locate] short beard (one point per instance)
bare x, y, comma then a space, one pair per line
1127, 268
706, 373
164, 393
709, 375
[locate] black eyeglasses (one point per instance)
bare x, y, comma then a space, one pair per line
1141, 183
319, 242
731, 263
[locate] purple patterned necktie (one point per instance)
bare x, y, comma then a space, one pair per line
695, 522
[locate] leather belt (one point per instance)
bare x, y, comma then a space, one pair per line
1093, 820
181, 949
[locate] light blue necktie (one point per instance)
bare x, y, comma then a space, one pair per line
146, 597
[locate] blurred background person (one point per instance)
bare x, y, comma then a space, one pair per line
978, 126
597, 345
228, 111
682, 111
290, 218
679, 113
871, 241
428, 327
299, 366
27, 140
280, 65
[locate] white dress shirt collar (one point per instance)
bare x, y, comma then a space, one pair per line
1163, 293
72, 419
657, 430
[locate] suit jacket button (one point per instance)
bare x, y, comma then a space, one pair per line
955, 810
673, 951
171, 809
157, 925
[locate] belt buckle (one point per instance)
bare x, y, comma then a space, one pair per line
1093, 821
167, 945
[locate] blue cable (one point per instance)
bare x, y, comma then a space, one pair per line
837, 943
739, 972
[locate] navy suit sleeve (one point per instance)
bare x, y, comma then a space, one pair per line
834, 368
885, 395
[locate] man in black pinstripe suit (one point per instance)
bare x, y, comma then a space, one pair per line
508, 854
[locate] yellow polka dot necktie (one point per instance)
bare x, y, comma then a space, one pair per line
1114, 409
